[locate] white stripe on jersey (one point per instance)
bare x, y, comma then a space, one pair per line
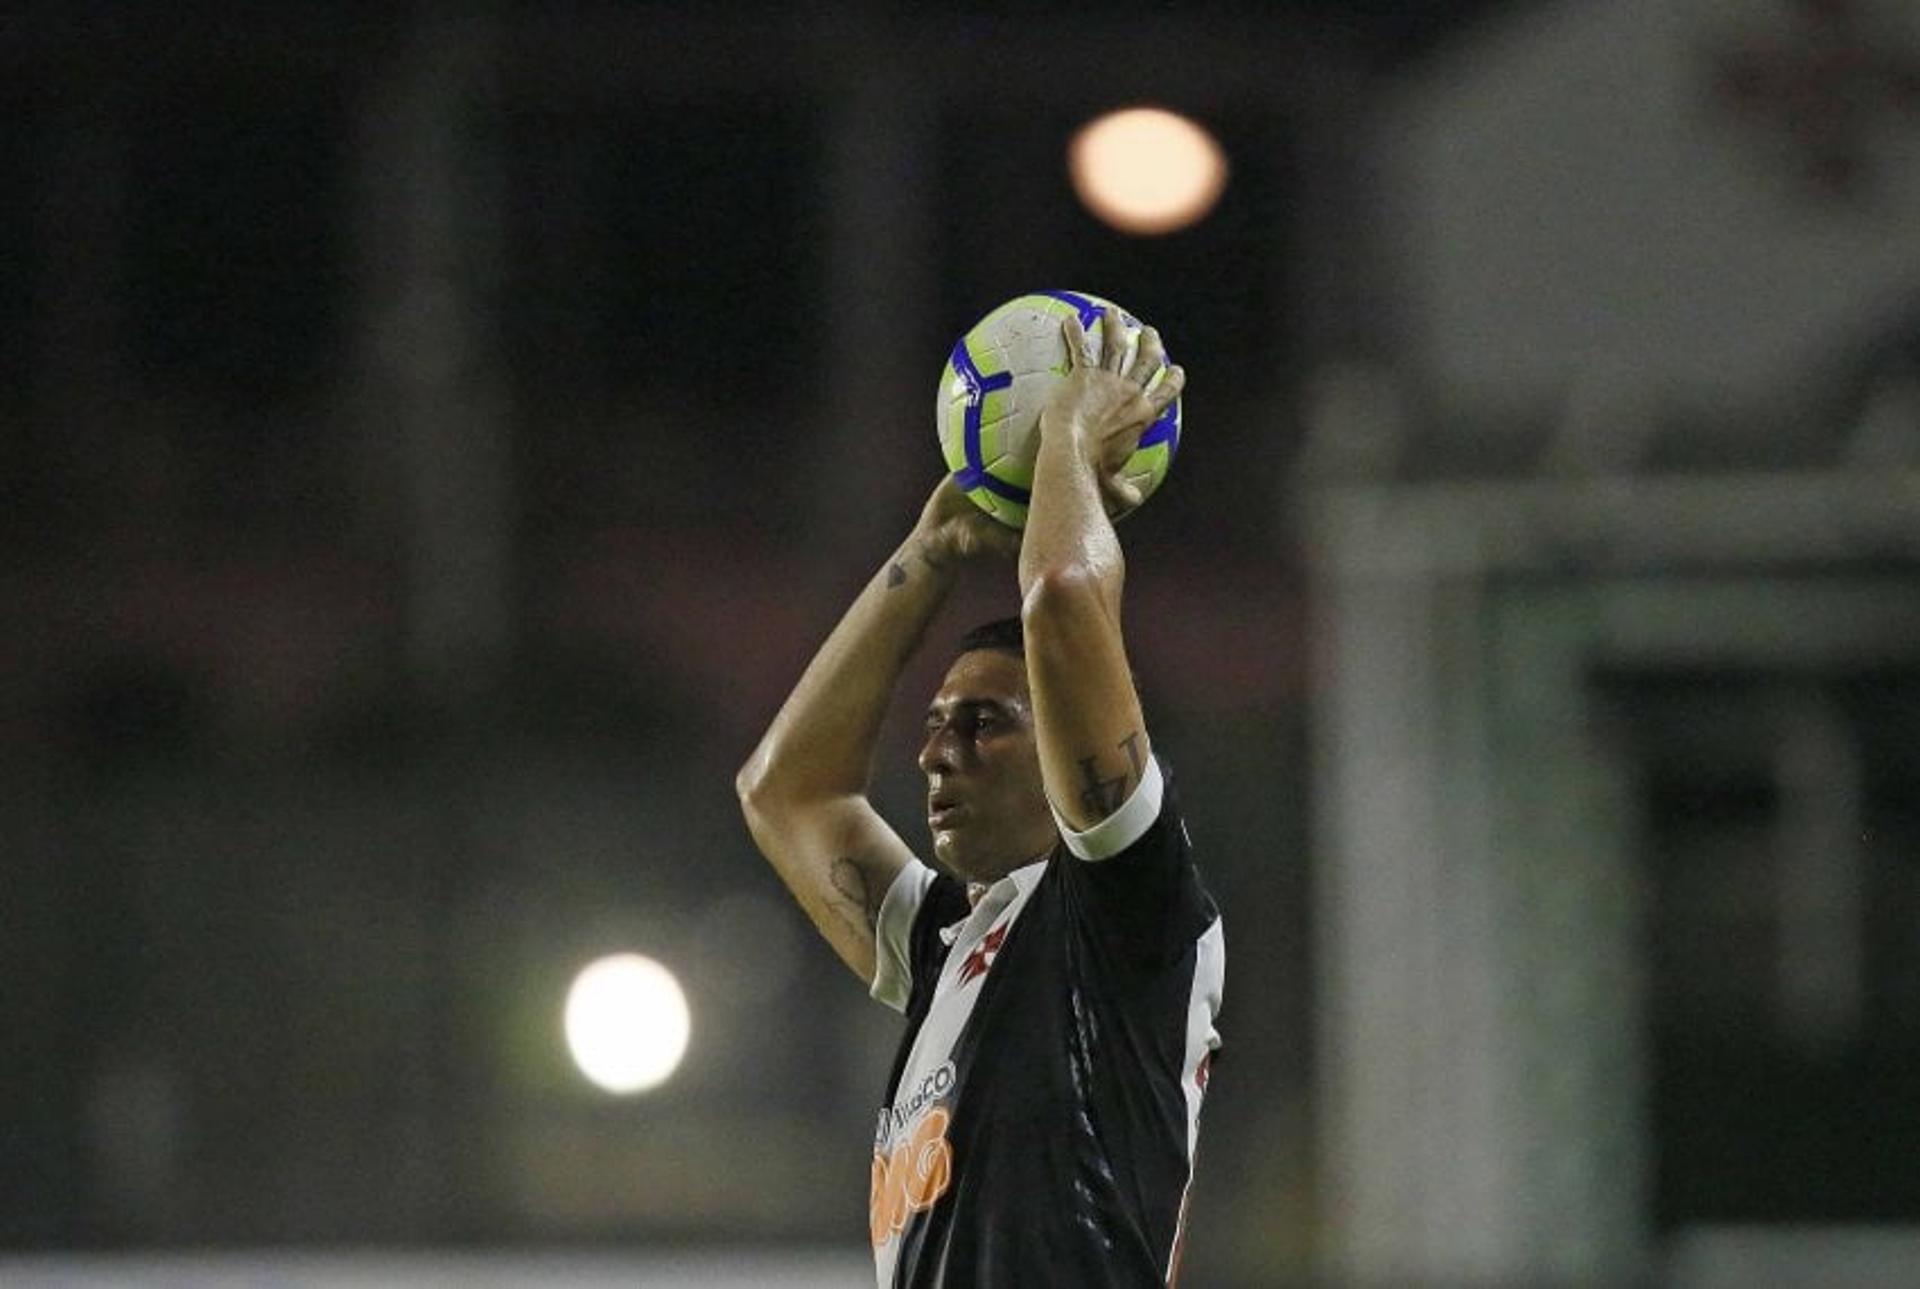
1203, 1004
954, 995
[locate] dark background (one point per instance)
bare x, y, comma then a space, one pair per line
433, 437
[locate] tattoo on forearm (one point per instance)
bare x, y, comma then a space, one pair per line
1102, 797
856, 893
897, 570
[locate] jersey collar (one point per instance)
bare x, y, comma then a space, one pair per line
997, 897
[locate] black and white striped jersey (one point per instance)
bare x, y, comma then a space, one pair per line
1043, 1109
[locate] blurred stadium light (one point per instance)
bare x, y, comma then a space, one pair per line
627, 1023
1147, 170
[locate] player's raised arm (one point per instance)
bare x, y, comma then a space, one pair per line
1091, 734
804, 788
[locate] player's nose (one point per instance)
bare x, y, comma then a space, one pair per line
937, 753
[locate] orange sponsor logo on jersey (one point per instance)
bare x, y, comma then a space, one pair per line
911, 1178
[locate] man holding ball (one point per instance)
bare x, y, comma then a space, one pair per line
1061, 969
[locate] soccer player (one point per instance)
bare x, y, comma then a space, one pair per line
1061, 970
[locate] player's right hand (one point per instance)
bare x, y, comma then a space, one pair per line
1105, 402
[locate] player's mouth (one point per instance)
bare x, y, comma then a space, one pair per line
943, 812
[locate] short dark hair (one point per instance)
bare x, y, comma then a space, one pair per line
1004, 635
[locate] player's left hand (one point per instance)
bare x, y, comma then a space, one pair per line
1104, 401
952, 527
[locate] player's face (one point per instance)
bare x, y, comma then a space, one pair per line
985, 802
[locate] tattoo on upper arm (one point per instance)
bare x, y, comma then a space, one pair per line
850, 883
895, 574
1101, 797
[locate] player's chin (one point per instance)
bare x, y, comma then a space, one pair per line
943, 843
950, 848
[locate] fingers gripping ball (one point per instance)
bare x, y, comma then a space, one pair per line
997, 379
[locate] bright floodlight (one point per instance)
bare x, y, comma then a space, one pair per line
1147, 170
627, 1023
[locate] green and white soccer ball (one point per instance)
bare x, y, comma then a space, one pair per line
998, 377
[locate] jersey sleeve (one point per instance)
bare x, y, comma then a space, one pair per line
893, 935
1124, 826
907, 949
1136, 883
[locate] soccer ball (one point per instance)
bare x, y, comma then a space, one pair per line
997, 379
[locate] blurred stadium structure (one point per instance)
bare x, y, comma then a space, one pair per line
433, 440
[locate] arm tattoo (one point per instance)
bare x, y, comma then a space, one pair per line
897, 571
851, 884
1102, 797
